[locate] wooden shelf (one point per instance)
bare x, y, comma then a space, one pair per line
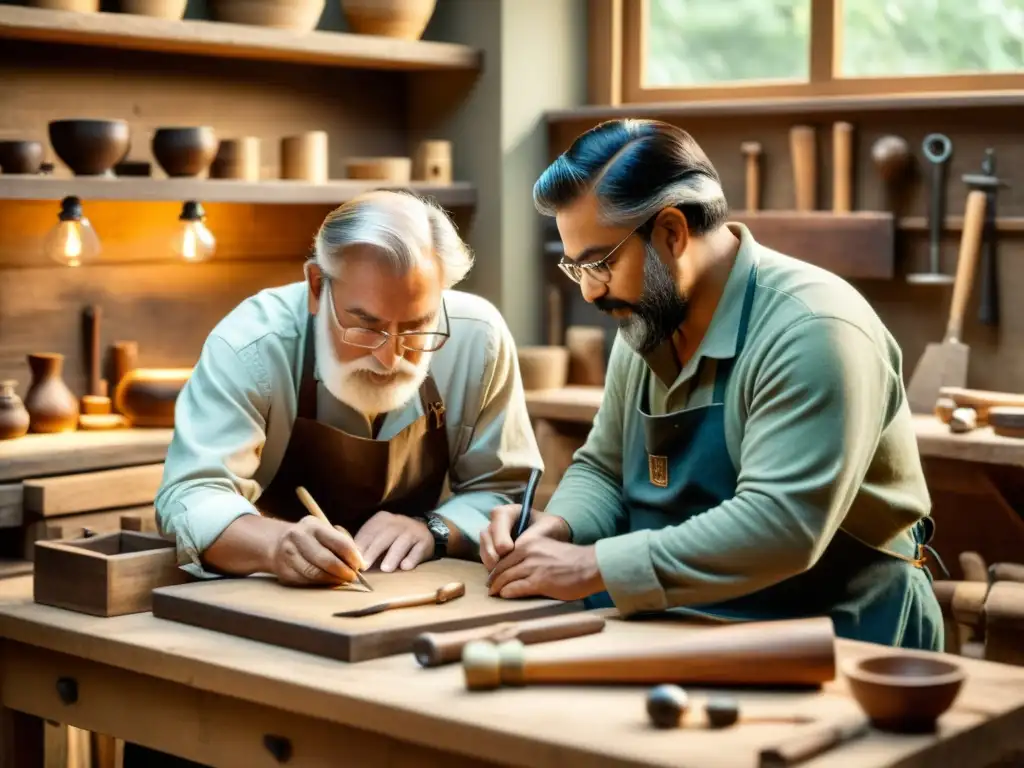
459, 194
793, 106
956, 224
234, 41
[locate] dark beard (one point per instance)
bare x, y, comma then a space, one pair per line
659, 313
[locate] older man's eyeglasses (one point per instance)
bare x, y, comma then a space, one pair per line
368, 338
599, 270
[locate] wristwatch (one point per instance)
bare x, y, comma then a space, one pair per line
439, 529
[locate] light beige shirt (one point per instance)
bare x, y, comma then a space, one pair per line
234, 417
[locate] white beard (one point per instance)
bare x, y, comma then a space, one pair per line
350, 383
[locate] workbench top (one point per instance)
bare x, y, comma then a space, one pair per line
81, 451
541, 726
934, 440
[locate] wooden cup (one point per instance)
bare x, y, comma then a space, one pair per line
237, 159
432, 162
304, 157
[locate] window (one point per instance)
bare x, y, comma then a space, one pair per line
676, 50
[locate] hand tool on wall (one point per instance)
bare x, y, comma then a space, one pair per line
892, 159
447, 593
751, 150
785, 652
937, 149
314, 509
433, 649
842, 167
802, 150
813, 741
944, 364
989, 183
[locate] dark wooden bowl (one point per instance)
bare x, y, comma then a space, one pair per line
20, 156
904, 693
89, 147
185, 151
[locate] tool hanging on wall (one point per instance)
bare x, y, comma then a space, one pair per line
989, 183
802, 150
842, 167
937, 149
944, 364
893, 161
752, 152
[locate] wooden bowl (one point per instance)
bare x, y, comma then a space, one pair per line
543, 367
185, 151
296, 15
89, 147
904, 693
20, 156
403, 19
157, 9
396, 170
146, 396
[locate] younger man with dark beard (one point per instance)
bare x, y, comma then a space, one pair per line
754, 456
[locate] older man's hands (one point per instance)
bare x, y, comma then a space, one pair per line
541, 563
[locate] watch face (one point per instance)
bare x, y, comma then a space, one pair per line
438, 528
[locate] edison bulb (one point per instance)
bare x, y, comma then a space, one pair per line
193, 241
72, 241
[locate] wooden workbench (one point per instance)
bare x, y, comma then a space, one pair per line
217, 699
976, 479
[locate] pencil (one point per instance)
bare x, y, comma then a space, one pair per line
314, 509
524, 513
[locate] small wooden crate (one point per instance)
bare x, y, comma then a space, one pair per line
108, 575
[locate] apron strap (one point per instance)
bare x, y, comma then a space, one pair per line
307, 384
724, 367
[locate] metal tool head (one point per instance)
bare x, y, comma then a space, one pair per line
930, 278
937, 147
943, 364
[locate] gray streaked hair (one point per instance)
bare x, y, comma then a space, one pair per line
636, 168
401, 227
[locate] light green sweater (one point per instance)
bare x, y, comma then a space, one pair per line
817, 426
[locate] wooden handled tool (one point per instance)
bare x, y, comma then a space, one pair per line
433, 649
842, 167
981, 400
789, 652
752, 152
944, 364
314, 509
448, 592
814, 741
802, 150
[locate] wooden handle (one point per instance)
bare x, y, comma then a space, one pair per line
93, 314
785, 652
802, 151
436, 648
752, 150
813, 742
967, 262
556, 316
450, 591
842, 167
310, 504
981, 400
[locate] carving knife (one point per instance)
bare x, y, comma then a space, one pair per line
314, 509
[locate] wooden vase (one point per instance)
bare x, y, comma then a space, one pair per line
403, 19
51, 405
14, 418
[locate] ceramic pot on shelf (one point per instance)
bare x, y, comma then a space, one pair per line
295, 15
51, 405
158, 9
403, 19
79, 6
13, 416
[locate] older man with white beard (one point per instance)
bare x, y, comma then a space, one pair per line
371, 384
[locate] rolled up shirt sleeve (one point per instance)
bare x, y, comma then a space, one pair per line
219, 432
818, 403
499, 448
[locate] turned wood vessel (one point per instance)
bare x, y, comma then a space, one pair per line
14, 418
51, 405
146, 396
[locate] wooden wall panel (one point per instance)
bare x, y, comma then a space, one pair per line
915, 314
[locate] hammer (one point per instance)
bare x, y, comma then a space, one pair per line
988, 308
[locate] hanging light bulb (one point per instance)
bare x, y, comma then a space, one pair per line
193, 241
72, 241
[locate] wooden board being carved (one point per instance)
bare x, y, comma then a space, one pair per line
258, 608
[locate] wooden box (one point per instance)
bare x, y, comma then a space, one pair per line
108, 575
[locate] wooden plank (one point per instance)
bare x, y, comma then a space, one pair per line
91, 491
260, 608
38, 455
854, 245
270, 191
792, 106
567, 726
10, 505
234, 41
208, 729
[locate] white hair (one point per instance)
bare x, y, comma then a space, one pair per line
399, 226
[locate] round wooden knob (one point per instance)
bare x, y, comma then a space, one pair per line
666, 705
891, 155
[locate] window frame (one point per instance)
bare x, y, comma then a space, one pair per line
616, 46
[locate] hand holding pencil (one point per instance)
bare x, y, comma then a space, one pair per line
314, 510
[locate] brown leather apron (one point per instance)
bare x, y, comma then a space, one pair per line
353, 477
